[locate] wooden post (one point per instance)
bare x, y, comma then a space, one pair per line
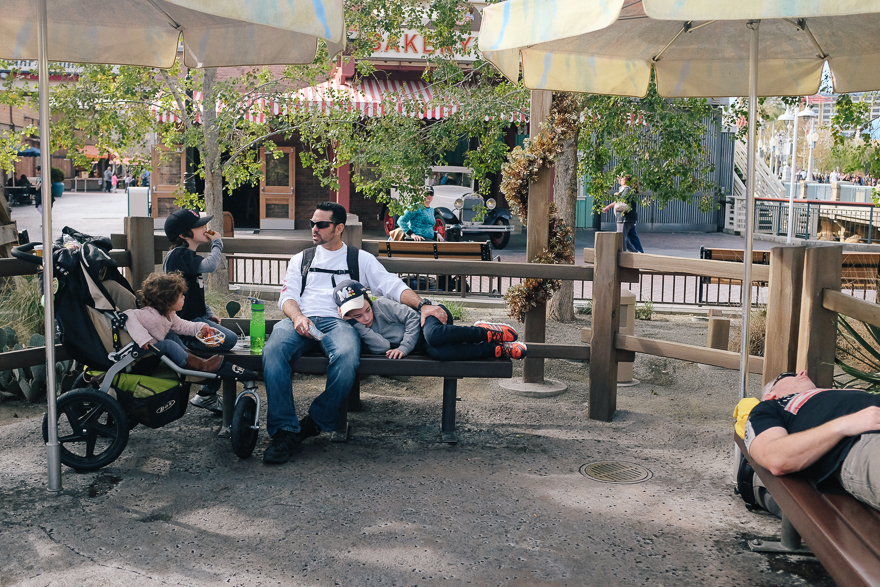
537, 236
719, 333
139, 240
606, 305
783, 310
817, 337
353, 234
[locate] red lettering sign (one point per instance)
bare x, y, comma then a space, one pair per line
388, 46
465, 43
409, 41
427, 48
378, 45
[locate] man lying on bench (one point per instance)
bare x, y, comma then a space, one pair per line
829, 434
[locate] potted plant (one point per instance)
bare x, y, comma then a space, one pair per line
57, 177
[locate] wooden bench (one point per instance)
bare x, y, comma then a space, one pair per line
734, 256
19, 195
860, 270
842, 532
467, 251
412, 365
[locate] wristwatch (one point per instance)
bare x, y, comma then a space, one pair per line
425, 302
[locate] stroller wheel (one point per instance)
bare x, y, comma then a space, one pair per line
92, 429
244, 437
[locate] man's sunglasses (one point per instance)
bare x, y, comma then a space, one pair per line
784, 375
321, 224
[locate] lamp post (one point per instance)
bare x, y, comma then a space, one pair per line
812, 138
805, 113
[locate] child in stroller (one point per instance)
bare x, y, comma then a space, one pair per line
158, 324
121, 385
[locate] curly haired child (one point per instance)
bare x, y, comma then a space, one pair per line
158, 324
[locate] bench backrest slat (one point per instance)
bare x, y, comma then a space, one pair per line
436, 250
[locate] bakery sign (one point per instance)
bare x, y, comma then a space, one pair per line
412, 46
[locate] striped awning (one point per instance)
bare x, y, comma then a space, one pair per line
371, 98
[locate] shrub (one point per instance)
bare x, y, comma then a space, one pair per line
858, 355
56, 175
646, 311
757, 332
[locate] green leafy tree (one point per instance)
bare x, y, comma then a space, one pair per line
655, 140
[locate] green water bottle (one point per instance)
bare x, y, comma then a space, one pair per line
258, 326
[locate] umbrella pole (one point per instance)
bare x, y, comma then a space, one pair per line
52, 446
750, 209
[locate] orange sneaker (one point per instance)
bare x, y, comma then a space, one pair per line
513, 350
498, 332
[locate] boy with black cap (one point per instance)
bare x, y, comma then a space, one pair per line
187, 230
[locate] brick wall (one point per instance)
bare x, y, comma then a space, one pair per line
308, 189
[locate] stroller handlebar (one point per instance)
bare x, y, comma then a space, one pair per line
23, 253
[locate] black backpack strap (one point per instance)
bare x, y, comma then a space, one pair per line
306, 266
351, 259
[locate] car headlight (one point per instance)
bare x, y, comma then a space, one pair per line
490, 203
459, 204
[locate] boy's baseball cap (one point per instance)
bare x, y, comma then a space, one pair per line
183, 220
349, 295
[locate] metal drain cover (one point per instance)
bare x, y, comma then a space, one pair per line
611, 472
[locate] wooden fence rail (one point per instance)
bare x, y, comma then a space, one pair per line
798, 333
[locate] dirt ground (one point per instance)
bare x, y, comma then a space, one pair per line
393, 506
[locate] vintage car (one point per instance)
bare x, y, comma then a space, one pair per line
456, 208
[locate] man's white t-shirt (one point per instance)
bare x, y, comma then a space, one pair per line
317, 298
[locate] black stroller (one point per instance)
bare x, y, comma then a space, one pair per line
122, 384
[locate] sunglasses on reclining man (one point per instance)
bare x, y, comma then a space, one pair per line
783, 376
322, 224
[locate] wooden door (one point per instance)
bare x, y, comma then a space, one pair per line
166, 178
277, 198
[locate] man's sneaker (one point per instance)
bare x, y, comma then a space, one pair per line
209, 402
513, 350
498, 332
284, 445
308, 428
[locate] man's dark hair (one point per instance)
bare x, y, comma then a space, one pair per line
338, 214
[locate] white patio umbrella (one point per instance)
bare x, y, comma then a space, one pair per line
697, 48
215, 33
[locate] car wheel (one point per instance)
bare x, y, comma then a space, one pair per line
440, 227
499, 240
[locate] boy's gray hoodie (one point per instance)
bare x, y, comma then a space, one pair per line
395, 325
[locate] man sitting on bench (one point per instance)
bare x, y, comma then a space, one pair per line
313, 322
829, 434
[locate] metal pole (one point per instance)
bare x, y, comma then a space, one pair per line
750, 209
52, 446
793, 175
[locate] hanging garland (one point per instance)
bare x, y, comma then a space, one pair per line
520, 170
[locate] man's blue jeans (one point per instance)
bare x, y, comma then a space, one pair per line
341, 344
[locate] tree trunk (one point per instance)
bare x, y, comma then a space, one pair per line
219, 279
565, 197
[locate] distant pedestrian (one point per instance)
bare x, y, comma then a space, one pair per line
114, 181
626, 215
108, 173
